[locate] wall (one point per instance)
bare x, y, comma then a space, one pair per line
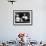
37, 31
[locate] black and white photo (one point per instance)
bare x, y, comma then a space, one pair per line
22, 17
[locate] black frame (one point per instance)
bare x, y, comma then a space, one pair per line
25, 23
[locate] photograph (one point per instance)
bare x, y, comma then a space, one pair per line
22, 17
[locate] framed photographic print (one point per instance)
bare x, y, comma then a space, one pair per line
22, 17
